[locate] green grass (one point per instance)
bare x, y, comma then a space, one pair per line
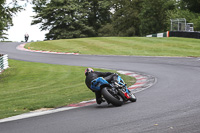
141, 46
28, 86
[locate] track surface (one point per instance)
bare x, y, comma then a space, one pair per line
170, 106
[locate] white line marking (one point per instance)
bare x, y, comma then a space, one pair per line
33, 114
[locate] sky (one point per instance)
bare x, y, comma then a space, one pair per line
22, 25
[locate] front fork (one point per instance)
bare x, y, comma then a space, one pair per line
125, 93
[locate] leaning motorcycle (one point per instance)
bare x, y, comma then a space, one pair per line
115, 93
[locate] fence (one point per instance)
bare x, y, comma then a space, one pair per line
184, 34
178, 24
3, 62
165, 34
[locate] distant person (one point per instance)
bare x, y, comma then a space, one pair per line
26, 37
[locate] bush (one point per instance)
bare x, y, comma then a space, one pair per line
106, 30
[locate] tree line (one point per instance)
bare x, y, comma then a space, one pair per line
92, 18
7, 11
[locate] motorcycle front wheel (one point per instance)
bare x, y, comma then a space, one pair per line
133, 98
110, 97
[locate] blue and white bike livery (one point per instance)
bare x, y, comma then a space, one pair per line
114, 93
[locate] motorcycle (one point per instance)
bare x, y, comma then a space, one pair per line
114, 93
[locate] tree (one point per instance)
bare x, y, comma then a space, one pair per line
7, 11
63, 19
88, 18
192, 5
153, 16
71, 18
98, 13
125, 19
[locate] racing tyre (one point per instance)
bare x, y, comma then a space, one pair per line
133, 98
110, 97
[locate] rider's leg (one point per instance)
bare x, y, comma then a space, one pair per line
98, 97
112, 78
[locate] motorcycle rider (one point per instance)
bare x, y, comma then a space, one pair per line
91, 75
26, 36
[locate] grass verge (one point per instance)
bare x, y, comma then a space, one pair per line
141, 46
28, 86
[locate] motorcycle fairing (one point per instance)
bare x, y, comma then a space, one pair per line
97, 83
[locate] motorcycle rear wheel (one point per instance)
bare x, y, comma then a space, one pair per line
112, 98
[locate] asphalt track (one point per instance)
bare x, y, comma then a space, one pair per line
172, 105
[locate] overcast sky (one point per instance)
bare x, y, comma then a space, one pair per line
22, 25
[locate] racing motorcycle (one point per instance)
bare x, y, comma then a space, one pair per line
115, 93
